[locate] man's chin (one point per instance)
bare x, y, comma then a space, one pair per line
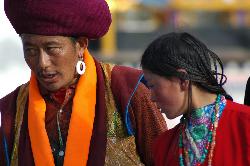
52, 87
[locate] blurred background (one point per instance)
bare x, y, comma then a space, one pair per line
223, 25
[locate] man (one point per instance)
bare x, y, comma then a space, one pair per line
74, 110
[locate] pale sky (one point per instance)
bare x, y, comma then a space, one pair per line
15, 73
6, 29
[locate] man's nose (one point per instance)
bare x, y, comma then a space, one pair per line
44, 60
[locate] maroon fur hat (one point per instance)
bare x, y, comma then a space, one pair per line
89, 18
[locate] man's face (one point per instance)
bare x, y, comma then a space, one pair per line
52, 59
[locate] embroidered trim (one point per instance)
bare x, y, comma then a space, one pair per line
121, 147
6, 153
127, 119
21, 102
194, 147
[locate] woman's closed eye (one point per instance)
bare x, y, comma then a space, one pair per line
150, 86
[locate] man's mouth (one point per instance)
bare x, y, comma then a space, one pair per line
48, 77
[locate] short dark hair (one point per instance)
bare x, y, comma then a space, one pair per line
173, 51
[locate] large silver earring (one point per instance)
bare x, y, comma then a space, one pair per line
80, 66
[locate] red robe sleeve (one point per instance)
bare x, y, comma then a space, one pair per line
147, 121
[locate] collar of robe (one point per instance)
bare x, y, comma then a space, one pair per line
81, 122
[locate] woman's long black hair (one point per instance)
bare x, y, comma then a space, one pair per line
173, 51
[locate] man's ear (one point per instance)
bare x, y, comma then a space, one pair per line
83, 42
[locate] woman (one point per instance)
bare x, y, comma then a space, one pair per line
186, 78
74, 110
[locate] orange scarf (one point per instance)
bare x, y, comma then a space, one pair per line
81, 122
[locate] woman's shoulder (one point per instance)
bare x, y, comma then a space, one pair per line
235, 115
237, 108
232, 135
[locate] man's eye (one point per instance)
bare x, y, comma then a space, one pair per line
29, 51
53, 50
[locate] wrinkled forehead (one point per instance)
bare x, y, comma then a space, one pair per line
32, 39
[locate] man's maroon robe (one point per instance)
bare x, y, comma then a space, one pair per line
146, 120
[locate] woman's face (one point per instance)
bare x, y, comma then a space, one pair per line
52, 59
169, 94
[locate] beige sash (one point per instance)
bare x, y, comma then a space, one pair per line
121, 148
20, 104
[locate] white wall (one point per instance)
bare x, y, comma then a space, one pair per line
13, 70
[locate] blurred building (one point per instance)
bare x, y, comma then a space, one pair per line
222, 24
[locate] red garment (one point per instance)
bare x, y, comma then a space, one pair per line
232, 140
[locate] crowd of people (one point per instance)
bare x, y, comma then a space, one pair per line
76, 110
